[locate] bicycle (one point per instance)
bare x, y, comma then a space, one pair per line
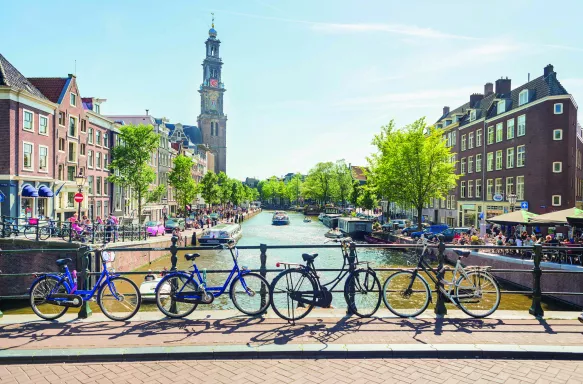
12, 228
51, 295
303, 289
407, 293
179, 293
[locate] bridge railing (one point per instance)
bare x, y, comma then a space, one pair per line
90, 264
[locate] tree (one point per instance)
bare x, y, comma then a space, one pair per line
129, 163
225, 188
237, 192
180, 178
367, 199
294, 188
413, 164
356, 192
320, 183
209, 188
343, 180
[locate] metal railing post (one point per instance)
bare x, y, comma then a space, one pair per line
70, 232
351, 268
3, 224
123, 233
262, 271
85, 255
93, 229
536, 308
36, 229
440, 309
173, 260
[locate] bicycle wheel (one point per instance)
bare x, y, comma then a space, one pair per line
362, 292
38, 295
478, 295
6, 231
44, 233
250, 294
286, 288
65, 233
119, 298
30, 232
402, 300
166, 292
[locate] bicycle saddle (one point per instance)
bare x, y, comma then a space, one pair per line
462, 253
61, 262
309, 256
191, 256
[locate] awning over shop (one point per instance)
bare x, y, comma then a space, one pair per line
45, 191
513, 218
29, 191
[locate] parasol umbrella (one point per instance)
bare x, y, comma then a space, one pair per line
559, 217
513, 218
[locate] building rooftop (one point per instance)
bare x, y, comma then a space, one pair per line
11, 77
53, 88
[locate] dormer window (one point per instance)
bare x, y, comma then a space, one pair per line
455, 119
523, 97
447, 122
472, 115
439, 126
501, 107
97, 108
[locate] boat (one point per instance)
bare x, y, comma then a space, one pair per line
321, 216
375, 240
221, 234
148, 286
280, 218
355, 227
331, 219
334, 234
307, 220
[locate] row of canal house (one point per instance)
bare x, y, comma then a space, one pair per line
51, 134
523, 142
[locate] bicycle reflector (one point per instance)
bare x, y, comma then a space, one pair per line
277, 265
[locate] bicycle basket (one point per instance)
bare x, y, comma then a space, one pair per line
108, 257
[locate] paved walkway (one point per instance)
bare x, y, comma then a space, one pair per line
301, 371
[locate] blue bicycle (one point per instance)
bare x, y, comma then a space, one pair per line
51, 295
179, 293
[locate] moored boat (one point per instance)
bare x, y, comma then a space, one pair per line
148, 287
280, 218
334, 234
221, 234
307, 220
355, 227
375, 240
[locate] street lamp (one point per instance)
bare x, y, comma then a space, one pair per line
512, 200
80, 181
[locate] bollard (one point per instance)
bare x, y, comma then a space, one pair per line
93, 229
193, 240
263, 271
536, 308
351, 268
85, 255
123, 233
173, 260
440, 309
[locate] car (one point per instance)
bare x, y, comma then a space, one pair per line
154, 228
400, 223
413, 228
173, 223
431, 230
450, 233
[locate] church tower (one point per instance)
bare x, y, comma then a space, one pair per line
212, 121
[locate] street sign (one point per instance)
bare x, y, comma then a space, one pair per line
481, 215
524, 205
78, 197
498, 197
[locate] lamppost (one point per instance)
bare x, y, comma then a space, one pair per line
164, 211
512, 201
80, 181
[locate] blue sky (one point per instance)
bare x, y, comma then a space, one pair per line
307, 81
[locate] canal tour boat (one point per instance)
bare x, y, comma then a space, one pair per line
280, 218
148, 286
221, 234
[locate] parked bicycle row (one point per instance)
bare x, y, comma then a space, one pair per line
292, 294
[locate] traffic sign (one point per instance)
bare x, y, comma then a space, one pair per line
78, 197
524, 205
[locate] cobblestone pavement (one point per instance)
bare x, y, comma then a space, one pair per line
302, 371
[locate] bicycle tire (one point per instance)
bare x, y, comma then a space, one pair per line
127, 298
65, 234
46, 285
169, 307
256, 291
367, 286
30, 233
290, 313
44, 233
490, 305
398, 300
6, 232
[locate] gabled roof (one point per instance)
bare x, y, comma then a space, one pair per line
190, 135
11, 77
358, 173
53, 88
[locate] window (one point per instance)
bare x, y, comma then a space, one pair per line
90, 159
83, 125
557, 167
62, 119
472, 115
97, 137
97, 108
490, 135
73, 99
519, 188
98, 160
43, 157
558, 134
470, 164
448, 202
448, 139
71, 199
489, 189
90, 136
499, 132
72, 152
28, 121
470, 188
510, 129
105, 187
463, 142
105, 163
509, 186
72, 126
470, 140
556, 200
463, 166
82, 150
490, 161
62, 144
98, 184
498, 160
90, 184
521, 125
479, 138
498, 186
105, 140
479, 163
71, 173
478, 188
463, 189
453, 135
27, 155
558, 108
523, 97
501, 107
509, 158
43, 125
520, 155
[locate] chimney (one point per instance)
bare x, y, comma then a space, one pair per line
445, 110
474, 98
147, 110
503, 86
488, 89
549, 69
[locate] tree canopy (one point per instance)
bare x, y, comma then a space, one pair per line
180, 178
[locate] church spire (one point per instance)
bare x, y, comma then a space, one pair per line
212, 31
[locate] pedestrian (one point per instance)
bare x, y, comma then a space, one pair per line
115, 226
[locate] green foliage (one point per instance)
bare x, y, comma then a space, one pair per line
237, 192
180, 178
209, 188
343, 180
225, 188
321, 183
412, 165
129, 163
293, 189
356, 192
367, 199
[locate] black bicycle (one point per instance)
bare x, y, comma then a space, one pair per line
11, 227
297, 289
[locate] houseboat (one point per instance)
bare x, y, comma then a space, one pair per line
280, 218
221, 234
355, 227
